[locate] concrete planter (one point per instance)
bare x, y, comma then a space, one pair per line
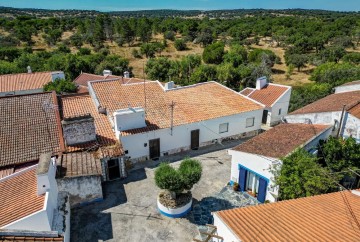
174, 212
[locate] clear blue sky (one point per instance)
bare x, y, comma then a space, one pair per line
121, 5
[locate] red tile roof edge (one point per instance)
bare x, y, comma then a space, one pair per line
18, 172
58, 121
22, 73
21, 95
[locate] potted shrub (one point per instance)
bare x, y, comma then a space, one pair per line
175, 200
236, 186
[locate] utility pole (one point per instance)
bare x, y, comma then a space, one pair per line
341, 121
172, 105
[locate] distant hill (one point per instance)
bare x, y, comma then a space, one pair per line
13, 12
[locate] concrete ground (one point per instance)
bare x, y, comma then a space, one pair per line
129, 212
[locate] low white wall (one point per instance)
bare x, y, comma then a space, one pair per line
348, 88
316, 118
223, 231
256, 163
174, 212
81, 189
138, 145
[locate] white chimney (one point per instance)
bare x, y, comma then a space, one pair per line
107, 72
45, 174
126, 74
29, 69
169, 85
261, 82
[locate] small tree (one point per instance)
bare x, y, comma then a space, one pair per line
177, 181
213, 54
60, 86
299, 61
180, 44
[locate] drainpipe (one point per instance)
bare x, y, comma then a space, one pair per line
341, 121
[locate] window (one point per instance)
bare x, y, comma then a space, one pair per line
250, 122
223, 128
280, 111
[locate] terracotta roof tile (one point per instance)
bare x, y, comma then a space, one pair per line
84, 78
19, 196
28, 238
318, 218
8, 170
192, 103
79, 164
267, 95
331, 103
29, 126
77, 105
355, 110
24, 81
281, 140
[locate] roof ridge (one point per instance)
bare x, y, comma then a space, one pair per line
17, 173
28, 94
26, 73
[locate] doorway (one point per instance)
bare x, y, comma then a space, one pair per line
195, 139
154, 148
113, 169
264, 117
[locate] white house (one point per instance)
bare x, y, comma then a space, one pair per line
315, 218
151, 120
339, 109
31, 204
275, 97
251, 161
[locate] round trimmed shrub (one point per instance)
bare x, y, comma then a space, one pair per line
166, 177
190, 171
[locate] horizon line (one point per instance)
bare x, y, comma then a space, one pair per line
184, 10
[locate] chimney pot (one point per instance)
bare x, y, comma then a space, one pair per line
126, 74
261, 82
28, 69
107, 72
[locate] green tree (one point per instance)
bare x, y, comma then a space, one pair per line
180, 44
213, 54
299, 61
300, 175
177, 181
336, 73
353, 58
116, 64
158, 68
60, 86
332, 54
148, 49
203, 73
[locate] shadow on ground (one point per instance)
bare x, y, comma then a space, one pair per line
92, 222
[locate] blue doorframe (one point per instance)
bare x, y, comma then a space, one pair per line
263, 182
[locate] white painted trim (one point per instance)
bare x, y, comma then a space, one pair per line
226, 225
174, 211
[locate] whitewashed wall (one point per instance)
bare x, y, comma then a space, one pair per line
223, 231
351, 127
180, 139
283, 104
316, 118
348, 88
257, 163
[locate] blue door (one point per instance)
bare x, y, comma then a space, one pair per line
242, 179
262, 190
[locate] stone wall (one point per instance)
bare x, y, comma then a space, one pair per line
79, 130
81, 189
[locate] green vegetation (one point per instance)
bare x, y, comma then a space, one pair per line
184, 178
60, 86
303, 174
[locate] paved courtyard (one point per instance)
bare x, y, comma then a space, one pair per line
129, 212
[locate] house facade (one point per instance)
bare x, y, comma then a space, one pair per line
252, 161
339, 109
151, 120
32, 203
275, 97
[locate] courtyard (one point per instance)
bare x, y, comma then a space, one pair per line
129, 213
